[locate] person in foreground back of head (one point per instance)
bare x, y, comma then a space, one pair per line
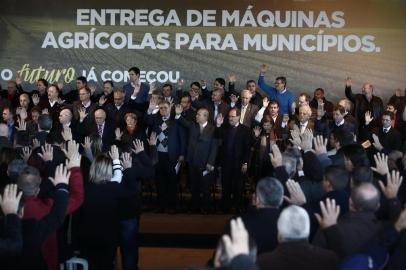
294, 251
261, 221
36, 231
359, 229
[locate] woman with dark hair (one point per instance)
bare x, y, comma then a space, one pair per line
130, 132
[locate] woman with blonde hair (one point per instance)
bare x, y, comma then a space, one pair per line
99, 223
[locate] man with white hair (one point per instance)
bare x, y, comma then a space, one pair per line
305, 112
294, 250
248, 110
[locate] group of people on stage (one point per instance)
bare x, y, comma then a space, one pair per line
324, 173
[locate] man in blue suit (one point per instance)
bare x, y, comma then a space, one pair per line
135, 89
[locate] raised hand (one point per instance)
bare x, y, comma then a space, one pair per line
307, 138
178, 109
329, 213
152, 138
67, 134
22, 126
10, 199
297, 196
320, 145
71, 150
381, 163
127, 160
295, 134
74, 160
61, 175
152, 105
87, 144
348, 82
138, 146
219, 120
35, 143
82, 113
238, 243
102, 100
377, 144
263, 68
393, 182
368, 117
232, 78
114, 152
265, 102
26, 153
47, 152
276, 156
257, 131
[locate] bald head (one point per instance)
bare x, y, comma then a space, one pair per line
364, 197
100, 116
245, 97
65, 116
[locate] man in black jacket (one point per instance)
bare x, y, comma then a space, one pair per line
235, 143
201, 156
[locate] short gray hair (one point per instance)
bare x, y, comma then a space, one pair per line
269, 192
293, 224
290, 163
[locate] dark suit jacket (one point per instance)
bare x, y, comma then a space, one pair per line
202, 149
117, 115
89, 110
298, 255
240, 152
261, 224
108, 133
176, 134
223, 108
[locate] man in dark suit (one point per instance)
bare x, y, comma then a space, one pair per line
118, 109
102, 128
201, 156
135, 88
236, 143
294, 251
85, 103
171, 150
387, 139
216, 105
261, 221
364, 102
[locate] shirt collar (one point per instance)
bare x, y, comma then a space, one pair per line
341, 123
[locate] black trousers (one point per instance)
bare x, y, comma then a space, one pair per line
166, 181
200, 187
232, 187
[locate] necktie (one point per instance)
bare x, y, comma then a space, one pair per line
243, 109
100, 130
385, 130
